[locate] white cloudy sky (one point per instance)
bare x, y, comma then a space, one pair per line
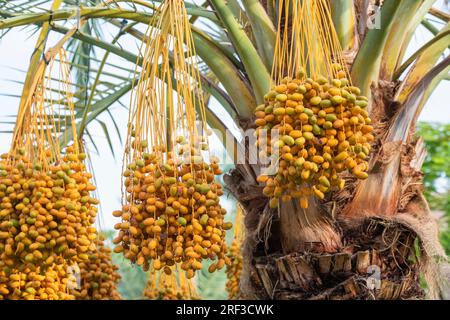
15, 50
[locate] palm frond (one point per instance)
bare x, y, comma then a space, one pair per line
106, 133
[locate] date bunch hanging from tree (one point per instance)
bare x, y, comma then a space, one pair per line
171, 208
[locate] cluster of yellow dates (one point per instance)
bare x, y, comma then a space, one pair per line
98, 276
172, 212
35, 283
174, 286
234, 270
317, 129
46, 218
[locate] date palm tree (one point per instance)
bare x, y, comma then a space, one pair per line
375, 239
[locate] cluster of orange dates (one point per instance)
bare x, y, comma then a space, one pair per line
46, 218
316, 129
172, 212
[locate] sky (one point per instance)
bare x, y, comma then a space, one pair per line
16, 48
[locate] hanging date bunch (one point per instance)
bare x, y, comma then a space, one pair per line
98, 275
314, 123
171, 211
162, 285
46, 208
234, 270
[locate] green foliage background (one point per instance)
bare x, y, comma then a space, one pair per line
436, 170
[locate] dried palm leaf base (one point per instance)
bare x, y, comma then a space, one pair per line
376, 245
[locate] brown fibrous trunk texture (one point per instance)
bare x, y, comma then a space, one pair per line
307, 229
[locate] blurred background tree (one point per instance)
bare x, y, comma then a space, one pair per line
436, 170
